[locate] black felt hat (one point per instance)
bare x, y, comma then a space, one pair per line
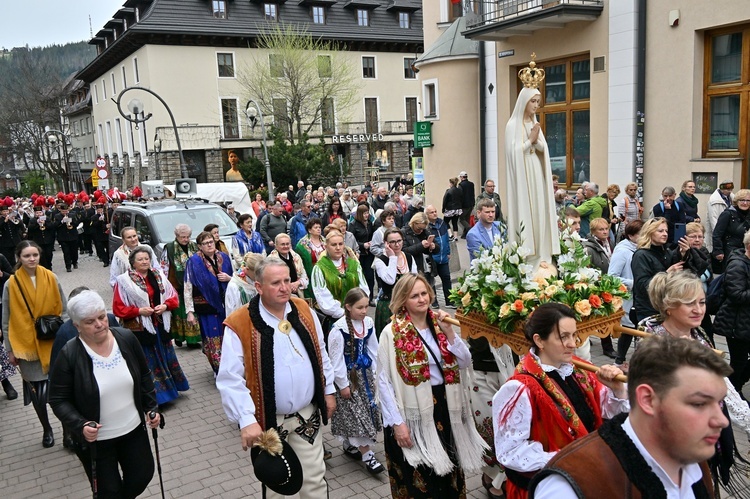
276, 464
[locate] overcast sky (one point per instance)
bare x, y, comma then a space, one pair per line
45, 22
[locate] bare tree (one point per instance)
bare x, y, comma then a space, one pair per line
299, 80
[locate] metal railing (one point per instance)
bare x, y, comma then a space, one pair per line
494, 11
343, 128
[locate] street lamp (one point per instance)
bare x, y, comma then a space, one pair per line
50, 135
135, 106
254, 114
157, 150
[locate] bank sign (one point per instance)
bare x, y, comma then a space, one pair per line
422, 134
362, 138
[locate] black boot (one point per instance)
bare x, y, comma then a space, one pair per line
39, 401
10, 392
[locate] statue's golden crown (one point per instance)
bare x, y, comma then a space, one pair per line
531, 76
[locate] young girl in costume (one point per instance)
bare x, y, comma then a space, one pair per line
353, 347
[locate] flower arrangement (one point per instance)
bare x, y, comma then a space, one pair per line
501, 285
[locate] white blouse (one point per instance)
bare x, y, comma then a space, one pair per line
388, 407
118, 413
336, 348
513, 444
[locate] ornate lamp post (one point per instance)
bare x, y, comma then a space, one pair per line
254, 114
135, 106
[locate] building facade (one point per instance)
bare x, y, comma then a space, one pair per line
652, 92
77, 124
192, 53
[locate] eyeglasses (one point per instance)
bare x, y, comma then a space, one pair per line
743, 201
396, 243
208, 243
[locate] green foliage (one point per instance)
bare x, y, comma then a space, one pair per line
32, 182
290, 162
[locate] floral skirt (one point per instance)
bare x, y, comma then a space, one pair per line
357, 416
6, 368
181, 329
422, 482
212, 333
165, 368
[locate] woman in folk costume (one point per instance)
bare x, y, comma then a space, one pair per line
38, 287
246, 240
310, 248
143, 298
430, 438
173, 262
389, 268
332, 278
531, 200
206, 277
283, 244
241, 288
548, 403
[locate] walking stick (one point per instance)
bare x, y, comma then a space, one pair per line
152, 415
92, 451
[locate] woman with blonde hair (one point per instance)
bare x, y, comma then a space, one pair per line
283, 245
681, 303
652, 257
241, 288
423, 388
597, 246
731, 227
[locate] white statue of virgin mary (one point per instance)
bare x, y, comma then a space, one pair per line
530, 196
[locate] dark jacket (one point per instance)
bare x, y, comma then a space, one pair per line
362, 233
733, 318
729, 230
74, 393
453, 199
99, 230
646, 263
673, 215
67, 332
43, 237
467, 189
377, 203
691, 213
594, 250
440, 229
698, 261
410, 212
65, 234
413, 246
11, 233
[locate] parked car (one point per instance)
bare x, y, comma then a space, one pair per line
155, 221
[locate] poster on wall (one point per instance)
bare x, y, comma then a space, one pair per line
417, 170
705, 182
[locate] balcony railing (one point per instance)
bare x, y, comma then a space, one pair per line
343, 128
504, 10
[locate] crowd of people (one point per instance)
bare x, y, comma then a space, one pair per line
285, 311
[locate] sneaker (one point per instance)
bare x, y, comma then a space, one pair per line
436, 305
373, 465
451, 306
352, 452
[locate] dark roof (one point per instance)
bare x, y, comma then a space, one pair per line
190, 22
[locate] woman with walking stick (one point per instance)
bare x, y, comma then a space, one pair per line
101, 388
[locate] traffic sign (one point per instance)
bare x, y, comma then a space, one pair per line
95, 178
101, 163
102, 173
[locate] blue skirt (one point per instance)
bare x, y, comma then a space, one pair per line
165, 368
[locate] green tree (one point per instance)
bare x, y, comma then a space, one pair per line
300, 80
313, 162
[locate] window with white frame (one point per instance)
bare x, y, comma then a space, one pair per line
124, 78
135, 70
276, 65
368, 67
430, 99
219, 9
327, 116
404, 20
363, 17
229, 119
271, 12
226, 65
318, 13
96, 94
104, 89
411, 113
114, 85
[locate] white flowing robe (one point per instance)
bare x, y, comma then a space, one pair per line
530, 198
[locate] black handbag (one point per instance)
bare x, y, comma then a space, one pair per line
46, 326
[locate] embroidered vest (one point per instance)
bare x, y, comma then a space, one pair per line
240, 322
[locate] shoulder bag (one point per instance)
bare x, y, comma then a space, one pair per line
46, 326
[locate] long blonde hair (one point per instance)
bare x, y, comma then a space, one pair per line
649, 228
403, 287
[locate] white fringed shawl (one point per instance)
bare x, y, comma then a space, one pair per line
416, 407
